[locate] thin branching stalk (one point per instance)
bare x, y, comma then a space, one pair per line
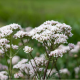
46, 69
7, 62
51, 68
53, 63
29, 58
35, 63
17, 51
58, 71
33, 66
47, 52
22, 42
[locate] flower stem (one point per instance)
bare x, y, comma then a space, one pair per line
46, 69
10, 75
51, 68
58, 71
35, 64
7, 62
10, 68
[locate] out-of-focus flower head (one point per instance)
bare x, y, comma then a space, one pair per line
3, 75
15, 60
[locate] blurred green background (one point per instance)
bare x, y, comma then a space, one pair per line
35, 12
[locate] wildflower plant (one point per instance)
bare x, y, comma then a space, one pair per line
51, 34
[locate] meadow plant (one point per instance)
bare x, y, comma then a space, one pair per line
51, 34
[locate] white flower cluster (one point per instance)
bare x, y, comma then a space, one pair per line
40, 61
4, 46
51, 30
57, 53
21, 65
24, 67
17, 75
60, 50
20, 34
3, 41
77, 69
76, 48
3, 75
7, 46
14, 46
27, 49
30, 67
8, 29
64, 71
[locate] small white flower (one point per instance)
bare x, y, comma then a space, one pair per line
27, 49
20, 34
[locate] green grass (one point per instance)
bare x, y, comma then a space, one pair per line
34, 12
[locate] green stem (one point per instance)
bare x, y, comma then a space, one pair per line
17, 51
10, 68
46, 69
33, 66
53, 63
22, 42
58, 71
6, 59
51, 68
10, 75
7, 62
